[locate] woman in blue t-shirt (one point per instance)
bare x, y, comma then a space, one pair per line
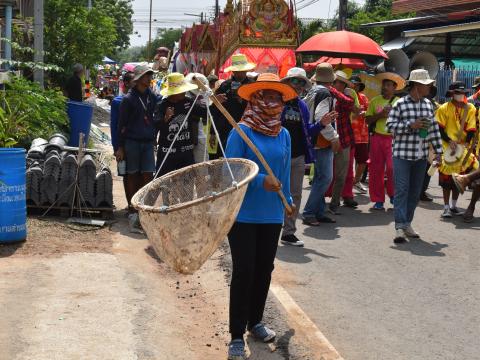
254, 236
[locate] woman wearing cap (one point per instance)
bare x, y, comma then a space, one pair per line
254, 236
295, 118
457, 127
169, 118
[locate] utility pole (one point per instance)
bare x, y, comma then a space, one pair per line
149, 47
217, 9
38, 75
87, 71
342, 15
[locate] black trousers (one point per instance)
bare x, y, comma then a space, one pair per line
174, 161
253, 248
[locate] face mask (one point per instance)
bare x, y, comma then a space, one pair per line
458, 97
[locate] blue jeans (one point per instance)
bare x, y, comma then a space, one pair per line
409, 177
139, 156
322, 178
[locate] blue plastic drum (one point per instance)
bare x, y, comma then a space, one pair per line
80, 115
13, 205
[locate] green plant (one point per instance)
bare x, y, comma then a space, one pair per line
43, 109
13, 125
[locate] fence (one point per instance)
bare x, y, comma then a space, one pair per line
446, 77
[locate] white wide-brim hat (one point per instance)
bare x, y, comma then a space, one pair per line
420, 76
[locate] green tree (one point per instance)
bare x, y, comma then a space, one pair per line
166, 38
75, 34
121, 11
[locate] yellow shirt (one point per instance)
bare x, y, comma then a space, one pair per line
449, 117
376, 105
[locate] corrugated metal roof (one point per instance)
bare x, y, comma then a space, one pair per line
430, 6
398, 22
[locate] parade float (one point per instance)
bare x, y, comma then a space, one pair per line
264, 30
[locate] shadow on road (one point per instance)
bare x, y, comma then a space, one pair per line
422, 248
299, 255
7, 249
151, 252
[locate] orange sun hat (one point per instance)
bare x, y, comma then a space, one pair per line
267, 81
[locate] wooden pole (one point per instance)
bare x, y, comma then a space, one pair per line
247, 140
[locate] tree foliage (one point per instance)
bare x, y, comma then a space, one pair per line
74, 34
166, 38
357, 14
121, 12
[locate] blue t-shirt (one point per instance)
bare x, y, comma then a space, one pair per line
114, 114
261, 206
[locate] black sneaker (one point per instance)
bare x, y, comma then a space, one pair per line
292, 240
455, 211
349, 202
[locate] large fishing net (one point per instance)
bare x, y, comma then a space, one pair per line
187, 213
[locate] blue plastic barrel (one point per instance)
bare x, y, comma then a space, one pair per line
13, 204
80, 115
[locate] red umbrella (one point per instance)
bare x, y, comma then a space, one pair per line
342, 44
347, 62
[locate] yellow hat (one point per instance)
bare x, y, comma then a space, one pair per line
240, 63
397, 79
267, 81
176, 84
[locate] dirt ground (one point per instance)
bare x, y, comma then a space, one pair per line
73, 292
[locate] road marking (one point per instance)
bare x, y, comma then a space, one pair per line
309, 331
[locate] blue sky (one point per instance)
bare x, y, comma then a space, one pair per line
171, 13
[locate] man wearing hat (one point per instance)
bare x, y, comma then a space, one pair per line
227, 94
136, 133
169, 120
322, 101
413, 127
360, 133
343, 159
457, 127
381, 159
296, 119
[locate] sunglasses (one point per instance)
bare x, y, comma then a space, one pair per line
299, 82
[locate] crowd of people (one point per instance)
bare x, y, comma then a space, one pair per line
326, 121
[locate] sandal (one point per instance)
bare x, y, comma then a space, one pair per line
311, 222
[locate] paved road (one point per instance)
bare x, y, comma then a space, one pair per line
374, 300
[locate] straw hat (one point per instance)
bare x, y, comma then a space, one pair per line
343, 77
298, 73
420, 76
397, 79
240, 63
267, 81
141, 70
176, 84
324, 73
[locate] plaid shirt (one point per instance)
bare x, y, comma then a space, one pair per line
344, 106
407, 143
